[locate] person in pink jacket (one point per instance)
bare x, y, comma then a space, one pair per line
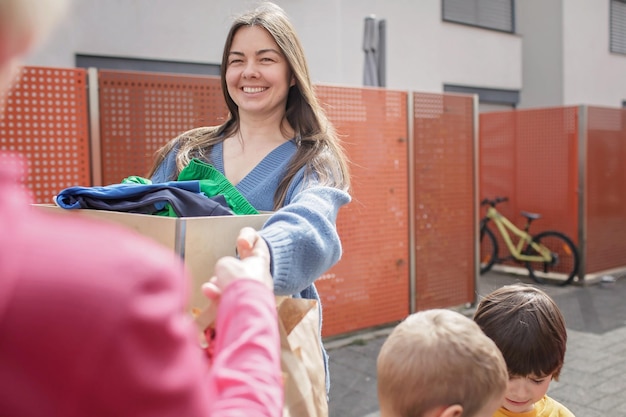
92, 316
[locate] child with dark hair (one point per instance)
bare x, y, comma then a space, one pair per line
529, 329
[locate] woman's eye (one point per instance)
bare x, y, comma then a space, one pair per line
234, 61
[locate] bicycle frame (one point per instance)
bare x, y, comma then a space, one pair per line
506, 227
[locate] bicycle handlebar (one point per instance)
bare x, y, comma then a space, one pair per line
493, 202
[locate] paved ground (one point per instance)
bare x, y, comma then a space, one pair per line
593, 380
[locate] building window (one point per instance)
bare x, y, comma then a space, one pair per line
489, 99
618, 26
489, 14
148, 65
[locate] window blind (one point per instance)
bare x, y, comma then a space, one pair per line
618, 26
490, 14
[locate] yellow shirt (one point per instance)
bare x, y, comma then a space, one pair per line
545, 407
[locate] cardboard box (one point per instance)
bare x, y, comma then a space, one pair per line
200, 241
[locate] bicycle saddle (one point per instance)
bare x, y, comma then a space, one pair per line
530, 216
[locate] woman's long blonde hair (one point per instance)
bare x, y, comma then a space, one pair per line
319, 148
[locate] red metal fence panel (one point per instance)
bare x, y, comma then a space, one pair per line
46, 120
531, 157
140, 112
444, 202
606, 189
370, 285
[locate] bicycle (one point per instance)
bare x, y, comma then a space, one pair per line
547, 254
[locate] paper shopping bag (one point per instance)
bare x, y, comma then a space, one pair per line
301, 358
304, 376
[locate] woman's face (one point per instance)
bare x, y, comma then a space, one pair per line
257, 73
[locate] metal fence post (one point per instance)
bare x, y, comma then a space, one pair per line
94, 126
476, 173
411, 181
582, 190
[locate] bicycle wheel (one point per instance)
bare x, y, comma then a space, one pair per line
488, 249
564, 257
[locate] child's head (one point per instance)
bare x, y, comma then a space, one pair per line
529, 329
438, 362
527, 326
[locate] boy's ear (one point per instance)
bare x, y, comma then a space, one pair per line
455, 410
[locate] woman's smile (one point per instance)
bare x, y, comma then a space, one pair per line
253, 90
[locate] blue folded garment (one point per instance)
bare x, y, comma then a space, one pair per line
184, 198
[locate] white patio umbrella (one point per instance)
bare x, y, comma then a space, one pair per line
373, 47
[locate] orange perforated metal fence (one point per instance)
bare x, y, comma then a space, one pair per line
606, 189
370, 285
140, 112
531, 157
46, 120
444, 203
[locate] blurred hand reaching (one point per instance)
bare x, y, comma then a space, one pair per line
253, 263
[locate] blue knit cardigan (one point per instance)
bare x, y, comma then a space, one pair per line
302, 235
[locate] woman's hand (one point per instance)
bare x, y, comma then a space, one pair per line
254, 263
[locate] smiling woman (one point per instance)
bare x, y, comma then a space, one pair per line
276, 147
258, 79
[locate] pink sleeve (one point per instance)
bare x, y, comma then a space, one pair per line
150, 364
246, 377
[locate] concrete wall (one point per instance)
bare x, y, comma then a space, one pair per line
560, 57
541, 24
592, 74
566, 56
423, 52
